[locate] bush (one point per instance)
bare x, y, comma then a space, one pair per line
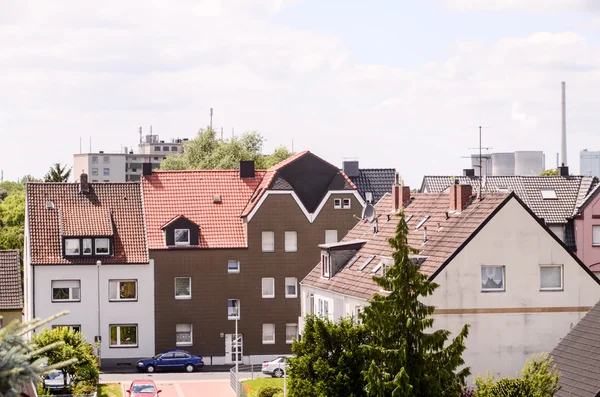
83, 388
269, 391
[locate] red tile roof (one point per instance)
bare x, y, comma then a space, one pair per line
444, 237
108, 209
168, 194
11, 294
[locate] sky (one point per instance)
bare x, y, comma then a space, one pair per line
391, 83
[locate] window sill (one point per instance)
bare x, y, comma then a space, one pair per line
291, 296
123, 347
551, 289
184, 344
268, 342
268, 251
492, 290
233, 271
183, 298
289, 342
233, 318
268, 296
65, 300
123, 300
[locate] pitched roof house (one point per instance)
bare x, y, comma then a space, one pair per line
233, 244
497, 264
587, 225
11, 293
86, 252
372, 183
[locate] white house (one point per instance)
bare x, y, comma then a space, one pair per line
86, 252
499, 267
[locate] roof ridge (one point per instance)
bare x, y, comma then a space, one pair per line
202, 170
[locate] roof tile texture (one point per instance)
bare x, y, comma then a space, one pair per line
11, 295
378, 181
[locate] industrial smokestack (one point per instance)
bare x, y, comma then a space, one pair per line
563, 136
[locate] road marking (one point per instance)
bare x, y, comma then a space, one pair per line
178, 390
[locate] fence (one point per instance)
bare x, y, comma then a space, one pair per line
244, 370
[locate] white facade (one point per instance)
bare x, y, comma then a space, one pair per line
100, 167
507, 327
589, 163
94, 304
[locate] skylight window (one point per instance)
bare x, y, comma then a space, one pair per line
408, 218
549, 194
422, 222
353, 261
376, 268
366, 262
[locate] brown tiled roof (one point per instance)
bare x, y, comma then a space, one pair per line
444, 237
571, 191
11, 294
577, 357
108, 209
170, 194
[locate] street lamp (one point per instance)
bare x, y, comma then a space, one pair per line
237, 341
99, 337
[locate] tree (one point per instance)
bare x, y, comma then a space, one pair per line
85, 369
12, 221
405, 359
550, 172
58, 173
18, 364
206, 151
328, 359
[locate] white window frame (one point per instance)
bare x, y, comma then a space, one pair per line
288, 282
562, 281
337, 203
107, 246
106, 172
270, 340
181, 242
346, 203
325, 269
119, 344
239, 311
183, 297
369, 197
328, 236
287, 340
117, 284
323, 309
76, 286
72, 240
503, 289
597, 242
89, 240
95, 171
190, 332
232, 270
262, 287
106, 159
548, 194
291, 241
94, 159
266, 247
71, 327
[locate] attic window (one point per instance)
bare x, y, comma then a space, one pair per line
217, 198
353, 261
369, 197
422, 222
182, 236
376, 268
77, 246
549, 194
49, 205
366, 262
503, 189
408, 218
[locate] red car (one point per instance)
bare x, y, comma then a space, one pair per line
143, 388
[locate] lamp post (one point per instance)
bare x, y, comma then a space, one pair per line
99, 337
236, 338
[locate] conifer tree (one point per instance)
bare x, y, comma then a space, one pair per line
406, 357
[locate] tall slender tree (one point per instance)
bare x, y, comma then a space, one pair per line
407, 358
58, 173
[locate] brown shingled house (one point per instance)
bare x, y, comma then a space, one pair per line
499, 267
235, 243
11, 291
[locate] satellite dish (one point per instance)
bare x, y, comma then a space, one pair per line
369, 213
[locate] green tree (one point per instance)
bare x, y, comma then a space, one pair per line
22, 363
550, 172
58, 173
406, 357
28, 178
206, 151
328, 359
85, 369
12, 221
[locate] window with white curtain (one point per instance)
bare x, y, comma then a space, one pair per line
596, 235
291, 241
492, 278
331, 236
291, 287
183, 335
551, 277
268, 287
268, 241
268, 334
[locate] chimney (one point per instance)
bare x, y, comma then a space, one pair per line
459, 196
247, 169
147, 169
563, 135
84, 186
563, 170
400, 196
350, 168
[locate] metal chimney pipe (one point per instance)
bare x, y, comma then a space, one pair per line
563, 136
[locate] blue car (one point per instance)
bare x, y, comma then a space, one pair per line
171, 360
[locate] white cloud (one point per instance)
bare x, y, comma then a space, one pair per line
523, 5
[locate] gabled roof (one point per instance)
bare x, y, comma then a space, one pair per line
571, 191
577, 357
378, 181
444, 238
169, 194
588, 199
176, 218
113, 209
11, 294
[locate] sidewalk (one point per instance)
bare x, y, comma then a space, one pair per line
131, 369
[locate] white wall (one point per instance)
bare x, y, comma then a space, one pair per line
85, 312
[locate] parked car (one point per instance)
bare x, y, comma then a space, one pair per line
275, 368
55, 381
143, 388
171, 360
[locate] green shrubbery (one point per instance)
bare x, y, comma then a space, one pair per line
269, 391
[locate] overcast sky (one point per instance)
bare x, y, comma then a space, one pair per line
392, 83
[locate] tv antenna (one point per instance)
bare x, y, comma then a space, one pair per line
480, 166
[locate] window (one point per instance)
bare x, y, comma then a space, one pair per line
173, 148
337, 203
157, 148
548, 194
233, 266
102, 246
233, 309
123, 335
183, 288
94, 159
122, 290
551, 278
87, 246
182, 236
106, 171
268, 334
331, 236
291, 332
66, 291
106, 159
422, 222
366, 262
492, 278
325, 265
346, 204
596, 235
323, 308
291, 287
95, 171
291, 241
165, 148
183, 335
268, 288
72, 246
76, 328
268, 241
156, 158
369, 197
94, 180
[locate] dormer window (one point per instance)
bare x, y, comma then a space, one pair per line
325, 265
102, 246
87, 246
72, 246
182, 236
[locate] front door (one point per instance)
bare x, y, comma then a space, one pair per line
233, 348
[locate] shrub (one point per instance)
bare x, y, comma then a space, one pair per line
83, 388
269, 391
468, 392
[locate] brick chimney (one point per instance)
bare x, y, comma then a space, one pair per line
459, 196
400, 196
84, 186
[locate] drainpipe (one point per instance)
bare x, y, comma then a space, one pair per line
99, 337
